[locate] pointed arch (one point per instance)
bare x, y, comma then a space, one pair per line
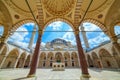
59, 57
74, 59
96, 22
50, 59
21, 60
96, 61
42, 60
59, 19
20, 23
107, 59
11, 59
90, 61
67, 59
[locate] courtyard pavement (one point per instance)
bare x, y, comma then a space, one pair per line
68, 74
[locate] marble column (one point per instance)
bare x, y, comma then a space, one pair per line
81, 55
1, 65
35, 57
1, 47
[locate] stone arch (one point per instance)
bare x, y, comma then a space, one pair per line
112, 30
107, 59
42, 60
59, 19
98, 23
67, 59
74, 59
96, 60
20, 23
21, 60
27, 62
3, 53
50, 59
59, 57
90, 61
6, 18
11, 59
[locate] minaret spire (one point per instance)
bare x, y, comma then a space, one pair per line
84, 36
32, 38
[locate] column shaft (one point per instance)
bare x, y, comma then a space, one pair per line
81, 54
35, 58
1, 47
3, 61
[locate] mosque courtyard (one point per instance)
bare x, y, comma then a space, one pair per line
68, 74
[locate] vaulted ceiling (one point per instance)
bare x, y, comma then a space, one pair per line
100, 12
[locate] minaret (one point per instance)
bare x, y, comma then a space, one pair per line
84, 36
32, 38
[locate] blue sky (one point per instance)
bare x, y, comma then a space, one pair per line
22, 36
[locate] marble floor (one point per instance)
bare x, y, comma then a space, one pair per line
68, 74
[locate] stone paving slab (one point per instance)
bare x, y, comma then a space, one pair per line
68, 74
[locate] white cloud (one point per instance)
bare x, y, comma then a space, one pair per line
42, 44
19, 37
56, 25
22, 44
19, 34
69, 36
98, 40
29, 24
90, 27
27, 39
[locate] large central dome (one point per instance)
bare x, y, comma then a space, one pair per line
58, 7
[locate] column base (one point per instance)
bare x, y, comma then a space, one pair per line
85, 77
29, 76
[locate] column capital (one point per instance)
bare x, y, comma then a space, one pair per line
114, 39
41, 32
76, 31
